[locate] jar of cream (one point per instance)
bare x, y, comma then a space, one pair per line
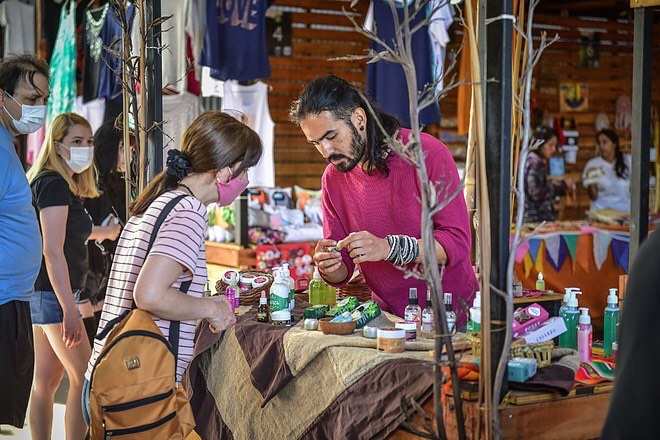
391, 340
410, 328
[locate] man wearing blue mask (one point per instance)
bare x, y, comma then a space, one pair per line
23, 94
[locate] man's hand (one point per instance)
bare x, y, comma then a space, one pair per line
364, 246
326, 260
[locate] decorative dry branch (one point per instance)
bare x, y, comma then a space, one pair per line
528, 144
400, 52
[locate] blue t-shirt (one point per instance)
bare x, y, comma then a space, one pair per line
235, 41
386, 83
20, 240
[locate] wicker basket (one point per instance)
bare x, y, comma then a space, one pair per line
251, 296
541, 352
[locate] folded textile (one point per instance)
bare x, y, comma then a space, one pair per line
309, 232
558, 377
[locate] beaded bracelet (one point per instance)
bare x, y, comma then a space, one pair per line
403, 249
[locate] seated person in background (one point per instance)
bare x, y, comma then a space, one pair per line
540, 191
371, 200
607, 176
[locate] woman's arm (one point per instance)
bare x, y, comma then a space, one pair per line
100, 233
153, 293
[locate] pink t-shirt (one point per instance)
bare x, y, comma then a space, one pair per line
181, 238
383, 205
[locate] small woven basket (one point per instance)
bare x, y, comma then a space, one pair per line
542, 352
249, 297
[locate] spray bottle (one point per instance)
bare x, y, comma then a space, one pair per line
570, 315
611, 318
474, 324
584, 335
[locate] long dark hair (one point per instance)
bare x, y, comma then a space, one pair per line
340, 98
620, 166
214, 141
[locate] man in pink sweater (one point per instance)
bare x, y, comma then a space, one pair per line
371, 200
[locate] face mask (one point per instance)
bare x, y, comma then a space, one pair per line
80, 158
227, 192
32, 117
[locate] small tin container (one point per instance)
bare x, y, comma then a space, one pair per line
391, 340
370, 332
410, 328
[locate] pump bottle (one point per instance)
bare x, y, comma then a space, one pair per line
611, 322
570, 315
584, 335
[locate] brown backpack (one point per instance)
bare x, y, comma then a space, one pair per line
133, 390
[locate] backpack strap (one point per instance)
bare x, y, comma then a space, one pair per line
159, 222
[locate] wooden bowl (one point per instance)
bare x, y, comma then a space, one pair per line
336, 328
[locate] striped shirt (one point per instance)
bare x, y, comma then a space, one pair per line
181, 238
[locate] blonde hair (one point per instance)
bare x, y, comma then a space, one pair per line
81, 185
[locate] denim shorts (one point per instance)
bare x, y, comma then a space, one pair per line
45, 308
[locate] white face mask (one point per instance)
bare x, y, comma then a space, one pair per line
32, 117
80, 158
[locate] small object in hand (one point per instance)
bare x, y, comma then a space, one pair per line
334, 248
311, 324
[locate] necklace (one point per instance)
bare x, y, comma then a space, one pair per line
93, 28
188, 189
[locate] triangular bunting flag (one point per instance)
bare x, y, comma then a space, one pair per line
571, 244
563, 253
620, 252
601, 246
527, 265
552, 246
522, 250
534, 244
538, 264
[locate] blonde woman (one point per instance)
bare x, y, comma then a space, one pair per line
62, 176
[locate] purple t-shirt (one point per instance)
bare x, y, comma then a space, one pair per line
355, 201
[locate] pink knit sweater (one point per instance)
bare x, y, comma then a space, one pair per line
356, 201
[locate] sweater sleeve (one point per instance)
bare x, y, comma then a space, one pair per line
333, 229
451, 224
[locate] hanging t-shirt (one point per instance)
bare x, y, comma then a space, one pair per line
111, 34
62, 81
18, 20
50, 189
93, 24
386, 83
235, 45
252, 101
613, 191
93, 111
179, 111
441, 21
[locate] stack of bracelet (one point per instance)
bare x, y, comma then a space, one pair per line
403, 249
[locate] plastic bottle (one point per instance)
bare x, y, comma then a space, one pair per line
316, 289
279, 299
474, 323
570, 315
611, 322
428, 323
540, 283
584, 335
451, 315
292, 286
329, 296
413, 312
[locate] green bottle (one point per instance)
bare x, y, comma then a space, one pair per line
611, 318
571, 315
316, 289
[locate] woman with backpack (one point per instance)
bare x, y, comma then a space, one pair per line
60, 179
160, 267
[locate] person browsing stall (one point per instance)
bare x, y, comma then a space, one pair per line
607, 176
61, 177
216, 152
371, 199
23, 94
540, 190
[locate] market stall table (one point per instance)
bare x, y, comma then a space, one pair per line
590, 257
261, 381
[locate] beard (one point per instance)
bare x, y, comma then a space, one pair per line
358, 147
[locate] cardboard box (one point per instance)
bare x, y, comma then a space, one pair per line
549, 330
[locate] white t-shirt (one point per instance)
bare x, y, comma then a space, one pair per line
613, 191
18, 20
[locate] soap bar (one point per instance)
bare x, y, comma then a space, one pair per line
521, 369
316, 312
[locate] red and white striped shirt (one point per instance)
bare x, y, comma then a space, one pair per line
181, 238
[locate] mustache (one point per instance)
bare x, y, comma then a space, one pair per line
337, 157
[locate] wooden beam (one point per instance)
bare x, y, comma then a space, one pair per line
644, 3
